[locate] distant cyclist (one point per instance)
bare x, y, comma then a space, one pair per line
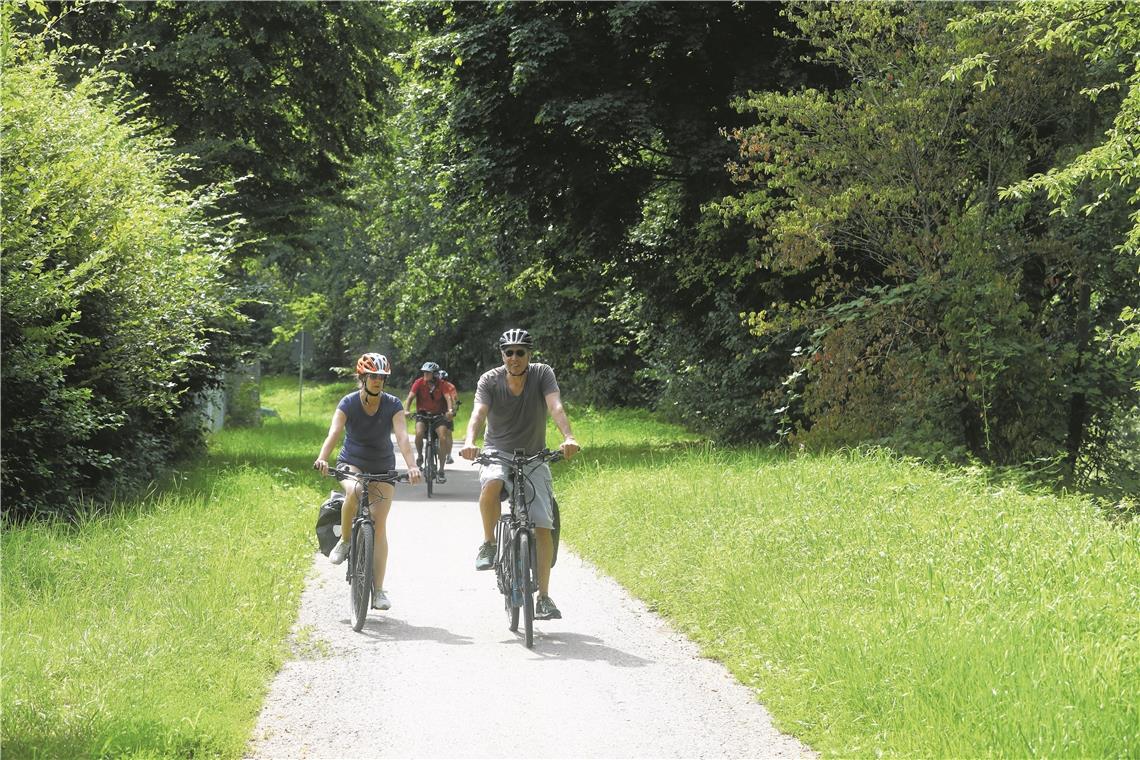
368, 417
433, 395
514, 399
454, 404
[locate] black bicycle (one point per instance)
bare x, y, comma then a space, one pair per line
431, 447
361, 546
515, 559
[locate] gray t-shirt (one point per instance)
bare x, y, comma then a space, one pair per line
516, 422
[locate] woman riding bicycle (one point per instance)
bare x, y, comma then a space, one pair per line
368, 417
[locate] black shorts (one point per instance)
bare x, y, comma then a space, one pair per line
384, 465
449, 424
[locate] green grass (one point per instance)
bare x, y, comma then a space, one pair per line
153, 631
876, 606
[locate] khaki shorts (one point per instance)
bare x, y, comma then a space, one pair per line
539, 489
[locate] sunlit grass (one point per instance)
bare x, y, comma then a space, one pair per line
152, 632
879, 607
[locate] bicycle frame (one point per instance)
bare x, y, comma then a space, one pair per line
431, 446
358, 573
514, 530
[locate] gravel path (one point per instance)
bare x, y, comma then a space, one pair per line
439, 675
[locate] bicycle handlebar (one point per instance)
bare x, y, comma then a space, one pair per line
518, 458
392, 476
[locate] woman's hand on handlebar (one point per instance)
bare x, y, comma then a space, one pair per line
321, 466
414, 475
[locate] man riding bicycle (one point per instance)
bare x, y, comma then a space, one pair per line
514, 399
433, 395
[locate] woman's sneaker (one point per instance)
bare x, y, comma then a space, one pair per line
339, 552
546, 610
380, 600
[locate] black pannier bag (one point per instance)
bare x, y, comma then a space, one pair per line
328, 522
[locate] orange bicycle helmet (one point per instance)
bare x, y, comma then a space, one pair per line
373, 364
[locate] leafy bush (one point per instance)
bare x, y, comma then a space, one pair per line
112, 284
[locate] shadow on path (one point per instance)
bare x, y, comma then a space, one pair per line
387, 628
566, 645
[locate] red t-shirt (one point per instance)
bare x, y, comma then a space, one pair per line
429, 401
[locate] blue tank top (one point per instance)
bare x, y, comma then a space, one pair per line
368, 437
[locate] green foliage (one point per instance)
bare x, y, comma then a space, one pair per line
112, 289
938, 319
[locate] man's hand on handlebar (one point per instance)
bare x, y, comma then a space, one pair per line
569, 448
469, 452
321, 466
414, 475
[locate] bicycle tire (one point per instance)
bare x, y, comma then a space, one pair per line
360, 588
430, 464
526, 572
510, 571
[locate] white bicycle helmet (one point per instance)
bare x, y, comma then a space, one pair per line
515, 337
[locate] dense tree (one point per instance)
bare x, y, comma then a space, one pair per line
279, 95
941, 318
113, 303
594, 131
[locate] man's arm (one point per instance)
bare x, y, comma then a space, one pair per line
474, 425
569, 446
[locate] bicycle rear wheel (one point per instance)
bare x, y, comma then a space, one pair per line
525, 564
360, 587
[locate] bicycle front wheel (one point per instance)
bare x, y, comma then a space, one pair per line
525, 564
508, 567
360, 587
429, 466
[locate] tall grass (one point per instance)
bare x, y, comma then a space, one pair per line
877, 606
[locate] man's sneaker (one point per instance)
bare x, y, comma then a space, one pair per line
380, 600
486, 557
449, 460
440, 478
339, 552
545, 609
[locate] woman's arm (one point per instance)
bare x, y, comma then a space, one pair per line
336, 429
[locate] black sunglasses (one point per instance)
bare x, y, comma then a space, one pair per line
520, 352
